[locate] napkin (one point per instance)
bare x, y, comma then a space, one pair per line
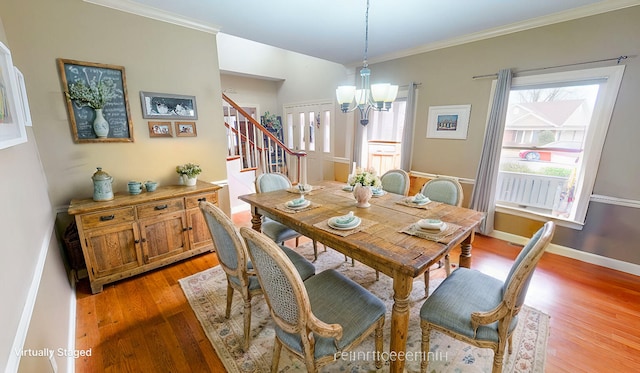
420, 198
298, 201
345, 219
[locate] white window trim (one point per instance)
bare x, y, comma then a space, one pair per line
594, 140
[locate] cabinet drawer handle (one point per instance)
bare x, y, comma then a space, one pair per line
160, 207
202, 199
107, 217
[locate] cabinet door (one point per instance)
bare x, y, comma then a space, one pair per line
163, 236
199, 235
112, 249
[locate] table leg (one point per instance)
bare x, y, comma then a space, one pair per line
465, 251
256, 219
402, 285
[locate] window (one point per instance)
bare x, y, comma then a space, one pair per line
553, 138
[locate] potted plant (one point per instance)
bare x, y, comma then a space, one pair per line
95, 95
189, 173
271, 122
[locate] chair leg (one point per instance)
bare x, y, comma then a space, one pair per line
297, 241
315, 250
510, 343
379, 342
229, 301
498, 357
426, 283
426, 334
247, 322
377, 275
353, 262
277, 347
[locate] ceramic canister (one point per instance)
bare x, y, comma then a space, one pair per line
102, 190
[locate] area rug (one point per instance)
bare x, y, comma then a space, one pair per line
206, 293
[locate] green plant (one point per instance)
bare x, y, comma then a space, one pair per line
365, 177
271, 121
95, 94
189, 169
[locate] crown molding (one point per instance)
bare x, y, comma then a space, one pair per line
568, 15
157, 14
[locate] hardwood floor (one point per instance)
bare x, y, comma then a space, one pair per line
144, 324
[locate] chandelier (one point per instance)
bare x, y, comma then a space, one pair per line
368, 96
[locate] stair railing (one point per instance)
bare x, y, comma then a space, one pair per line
257, 148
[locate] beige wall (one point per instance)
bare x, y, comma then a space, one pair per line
158, 57
446, 77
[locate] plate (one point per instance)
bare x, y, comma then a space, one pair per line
348, 188
430, 223
332, 223
306, 203
380, 193
441, 229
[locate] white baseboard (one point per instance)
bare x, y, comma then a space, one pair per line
240, 208
568, 252
23, 327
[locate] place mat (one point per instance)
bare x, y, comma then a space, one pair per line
407, 202
283, 207
324, 225
441, 237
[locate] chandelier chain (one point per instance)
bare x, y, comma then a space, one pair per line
366, 35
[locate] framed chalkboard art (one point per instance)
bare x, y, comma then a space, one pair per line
96, 97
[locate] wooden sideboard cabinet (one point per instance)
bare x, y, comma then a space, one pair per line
133, 234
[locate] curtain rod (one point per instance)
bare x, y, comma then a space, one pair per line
618, 59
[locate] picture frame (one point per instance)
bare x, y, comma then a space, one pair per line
24, 101
12, 131
160, 129
448, 122
186, 129
168, 106
116, 110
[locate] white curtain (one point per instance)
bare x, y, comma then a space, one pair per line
407, 134
484, 191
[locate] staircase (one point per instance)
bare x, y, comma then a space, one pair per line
257, 148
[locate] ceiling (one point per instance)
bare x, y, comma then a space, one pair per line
334, 30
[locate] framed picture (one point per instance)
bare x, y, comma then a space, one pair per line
93, 92
168, 106
186, 129
22, 92
12, 131
160, 129
448, 122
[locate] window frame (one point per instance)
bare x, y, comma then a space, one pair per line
595, 136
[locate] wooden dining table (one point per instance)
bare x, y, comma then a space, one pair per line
383, 240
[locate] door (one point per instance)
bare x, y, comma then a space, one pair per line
309, 127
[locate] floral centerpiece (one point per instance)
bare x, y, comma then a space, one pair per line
365, 177
189, 173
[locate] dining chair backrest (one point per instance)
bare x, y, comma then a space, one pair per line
396, 181
281, 284
230, 247
517, 281
445, 190
272, 181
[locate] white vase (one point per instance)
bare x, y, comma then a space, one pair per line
190, 181
363, 195
100, 125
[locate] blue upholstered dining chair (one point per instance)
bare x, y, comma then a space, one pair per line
479, 309
314, 320
232, 255
445, 190
396, 181
278, 232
